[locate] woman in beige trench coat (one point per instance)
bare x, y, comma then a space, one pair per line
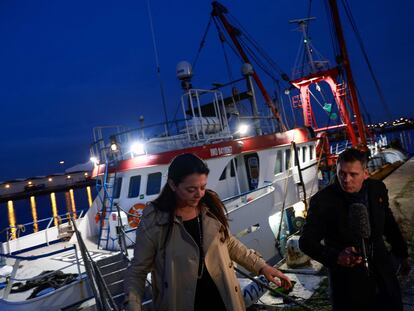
184, 241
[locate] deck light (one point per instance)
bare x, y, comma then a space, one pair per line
50, 179
137, 148
7, 186
243, 129
94, 160
69, 177
29, 183
114, 147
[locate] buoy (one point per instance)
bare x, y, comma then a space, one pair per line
135, 214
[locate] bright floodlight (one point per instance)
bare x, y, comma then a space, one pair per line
138, 148
114, 147
94, 160
243, 128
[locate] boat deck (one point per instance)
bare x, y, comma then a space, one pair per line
65, 261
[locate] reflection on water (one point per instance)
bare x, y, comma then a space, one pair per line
89, 192
54, 208
12, 219
72, 203
34, 213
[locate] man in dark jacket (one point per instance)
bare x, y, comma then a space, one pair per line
329, 236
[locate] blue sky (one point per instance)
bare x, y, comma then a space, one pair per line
68, 66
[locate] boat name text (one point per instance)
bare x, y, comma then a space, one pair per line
214, 152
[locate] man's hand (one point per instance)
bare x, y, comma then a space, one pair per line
272, 273
349, 258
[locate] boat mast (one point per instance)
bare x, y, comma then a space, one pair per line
219, 10
346, 64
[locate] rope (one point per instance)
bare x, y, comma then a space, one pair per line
366, 58
315, 98
285, 195
223, 40
203, 40
256, 46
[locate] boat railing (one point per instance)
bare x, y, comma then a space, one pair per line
375, 163
103, 298
13, 233
339, 147
245, 197
207, 120
154, 138
12, 277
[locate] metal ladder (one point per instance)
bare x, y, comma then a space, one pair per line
107, 201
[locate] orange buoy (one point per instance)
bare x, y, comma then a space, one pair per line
135, 214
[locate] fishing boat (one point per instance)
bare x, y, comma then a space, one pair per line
264, 172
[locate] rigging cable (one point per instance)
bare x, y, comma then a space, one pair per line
307, 35
220, 31
259, 49
365, 54
157, 62
332, 33
203, 41
223, 40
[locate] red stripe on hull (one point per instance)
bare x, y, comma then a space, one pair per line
237, 146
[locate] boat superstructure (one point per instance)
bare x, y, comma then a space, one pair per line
250, 172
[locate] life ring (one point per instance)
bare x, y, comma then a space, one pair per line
135, 214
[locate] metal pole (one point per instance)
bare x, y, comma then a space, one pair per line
347, 66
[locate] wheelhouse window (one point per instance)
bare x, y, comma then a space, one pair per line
117, 188
304, 149
223, 174
287, 158
134, 186
279, 163
311, 150
233, 167
154, 183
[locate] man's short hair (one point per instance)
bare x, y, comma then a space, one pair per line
352, 155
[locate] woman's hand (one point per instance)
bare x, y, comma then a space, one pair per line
276, 276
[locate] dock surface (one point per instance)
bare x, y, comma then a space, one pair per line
400, 186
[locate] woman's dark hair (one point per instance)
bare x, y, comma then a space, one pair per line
181, 167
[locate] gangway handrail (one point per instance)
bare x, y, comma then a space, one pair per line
103, 298
50, 219
30, 258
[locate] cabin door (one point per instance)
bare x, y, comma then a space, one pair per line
252, 170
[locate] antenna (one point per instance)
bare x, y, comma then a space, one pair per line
314, 65
157, 62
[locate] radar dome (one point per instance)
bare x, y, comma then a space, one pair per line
184, 70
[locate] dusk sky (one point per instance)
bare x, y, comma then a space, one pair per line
68, 66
